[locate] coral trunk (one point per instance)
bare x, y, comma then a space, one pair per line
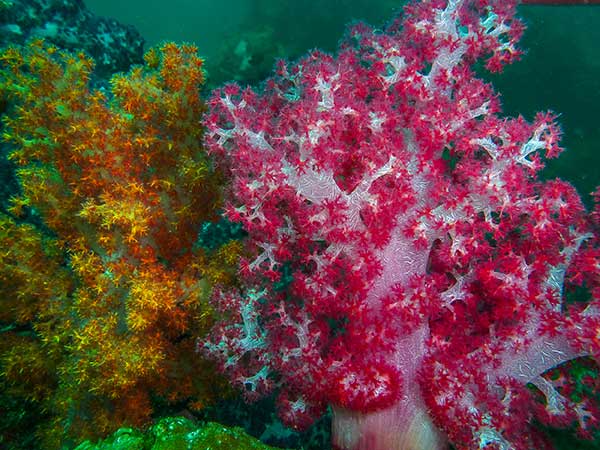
404, 426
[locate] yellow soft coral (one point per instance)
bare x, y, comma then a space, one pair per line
122, 183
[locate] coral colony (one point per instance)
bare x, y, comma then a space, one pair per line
120, 180
401, 260
410, 269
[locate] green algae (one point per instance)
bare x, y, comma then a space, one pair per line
178, 433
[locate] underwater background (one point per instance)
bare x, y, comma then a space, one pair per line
241, 40
560, 70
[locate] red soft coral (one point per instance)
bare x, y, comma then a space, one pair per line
425, 260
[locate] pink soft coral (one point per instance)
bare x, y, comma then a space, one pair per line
409, 265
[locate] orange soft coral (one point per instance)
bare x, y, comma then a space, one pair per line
120, 178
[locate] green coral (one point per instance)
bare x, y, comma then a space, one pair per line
5, 4
178, 433
122, 439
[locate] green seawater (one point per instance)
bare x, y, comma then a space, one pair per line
242, 38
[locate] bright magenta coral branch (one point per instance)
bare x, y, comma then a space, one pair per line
410, 266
